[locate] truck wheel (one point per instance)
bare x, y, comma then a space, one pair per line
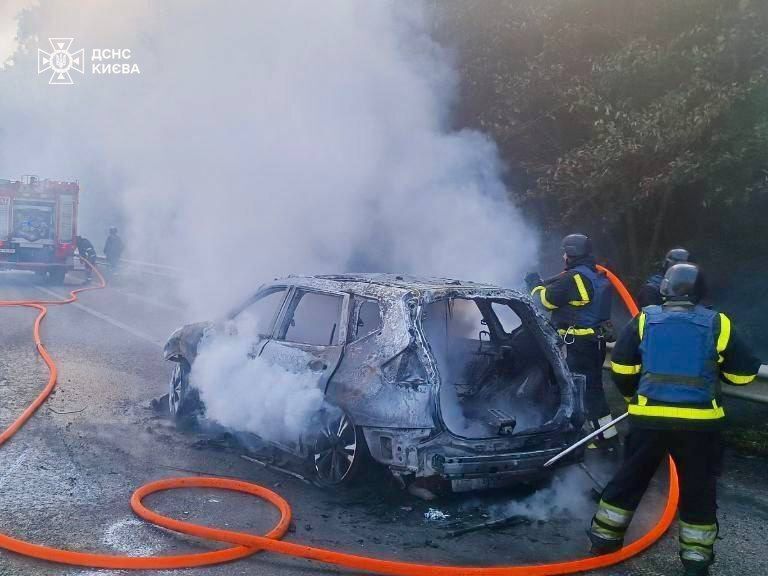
183, 401
56, 276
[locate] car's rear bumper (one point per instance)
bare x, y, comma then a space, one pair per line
511, 464
494, 461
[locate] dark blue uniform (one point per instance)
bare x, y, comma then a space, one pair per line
650, 292
580, 301
670, 363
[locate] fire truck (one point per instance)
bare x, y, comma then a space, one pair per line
38, 225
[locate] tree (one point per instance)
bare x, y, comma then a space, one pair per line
615, 115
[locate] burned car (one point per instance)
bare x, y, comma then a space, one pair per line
429, 377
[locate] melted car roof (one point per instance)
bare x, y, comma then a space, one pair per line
395, 284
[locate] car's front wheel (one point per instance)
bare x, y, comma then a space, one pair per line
183, 401
339, 452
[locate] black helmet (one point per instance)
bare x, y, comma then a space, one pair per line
577, 246
682, 282
676, 256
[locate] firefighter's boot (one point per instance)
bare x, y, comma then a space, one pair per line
609, 525
696, 569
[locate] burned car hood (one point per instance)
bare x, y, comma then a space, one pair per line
183, 342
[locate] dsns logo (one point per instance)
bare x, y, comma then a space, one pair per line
60, 61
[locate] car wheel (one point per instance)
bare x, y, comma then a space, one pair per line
183, 401
339, 450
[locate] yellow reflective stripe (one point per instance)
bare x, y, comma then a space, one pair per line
542, 292
625, 368
620, 511
613, 516
576, 331
641, 324
703, 535
642, 409
725, 333
738, 379
627, 399
583, 294
547, 304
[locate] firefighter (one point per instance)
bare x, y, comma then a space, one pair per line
650, 293
113, 248
580, 301
669, 363
88, 253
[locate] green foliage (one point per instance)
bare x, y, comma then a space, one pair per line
611, 113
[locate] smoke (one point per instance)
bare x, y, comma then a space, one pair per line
253, 395
261, 139
567, 496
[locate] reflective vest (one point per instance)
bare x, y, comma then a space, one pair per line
680, 364
586, 312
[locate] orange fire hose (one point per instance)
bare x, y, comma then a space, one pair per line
247, 544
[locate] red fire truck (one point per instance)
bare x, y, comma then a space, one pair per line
38, 225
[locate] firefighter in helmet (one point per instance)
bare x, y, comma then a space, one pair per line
113, 248
669, 363
87, 252
650, 293
580, 300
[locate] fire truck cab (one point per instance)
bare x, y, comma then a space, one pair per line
38, 225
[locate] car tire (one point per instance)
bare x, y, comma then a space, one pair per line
184, 402
339, 453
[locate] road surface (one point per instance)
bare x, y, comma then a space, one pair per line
66, 478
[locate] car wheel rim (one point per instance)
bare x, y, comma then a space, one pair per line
335, 450
177, 389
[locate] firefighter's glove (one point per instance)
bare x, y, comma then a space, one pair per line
532, 279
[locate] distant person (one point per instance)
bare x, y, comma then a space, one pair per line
88, 253
580, 300
650, 293
113, 248
669, 363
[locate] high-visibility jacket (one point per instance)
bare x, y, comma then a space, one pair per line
580, 300
669, 363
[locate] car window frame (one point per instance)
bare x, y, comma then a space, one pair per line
281, 326
261, 293
497, 320
357, 304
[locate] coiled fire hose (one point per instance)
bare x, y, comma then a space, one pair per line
244, 544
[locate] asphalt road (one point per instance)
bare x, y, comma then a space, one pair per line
66, 478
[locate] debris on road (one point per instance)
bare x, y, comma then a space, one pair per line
434, 514
491, 525
275, 468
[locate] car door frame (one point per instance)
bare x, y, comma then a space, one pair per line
341, 334
259, 340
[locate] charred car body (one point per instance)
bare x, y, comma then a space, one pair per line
431, 377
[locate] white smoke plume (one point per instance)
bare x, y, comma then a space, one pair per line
262, 139
265, 138
253, 396
567, 496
